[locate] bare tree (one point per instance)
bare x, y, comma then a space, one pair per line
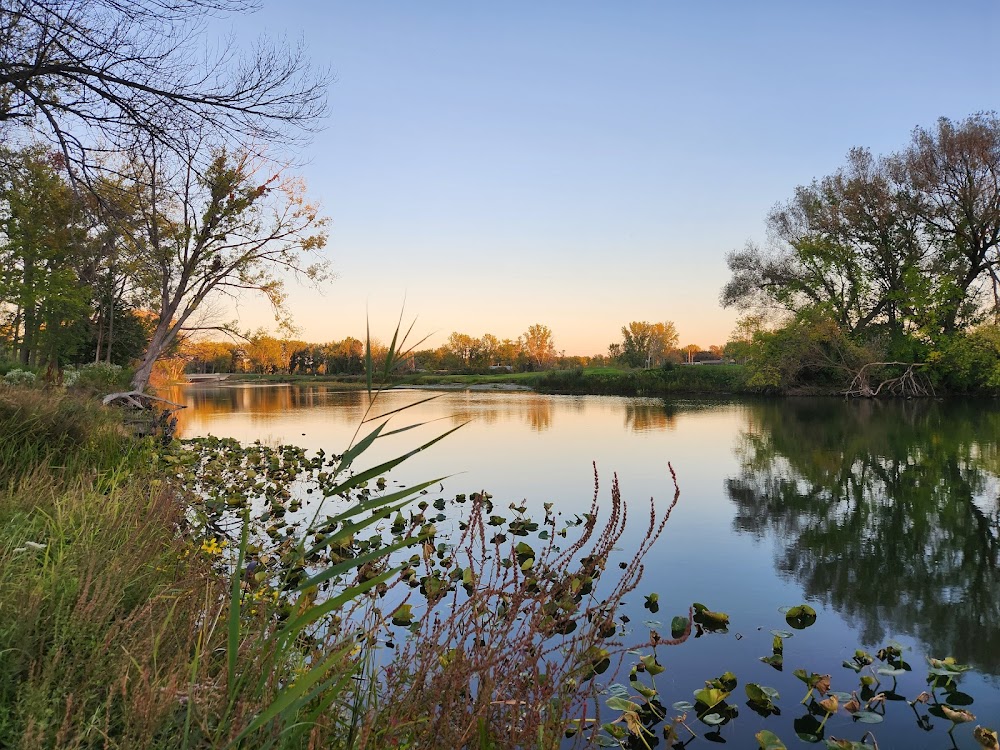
93, 75
225, 231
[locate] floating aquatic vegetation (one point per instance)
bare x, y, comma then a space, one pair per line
814, 682
709, 620
761, 699
800, 617
987, 738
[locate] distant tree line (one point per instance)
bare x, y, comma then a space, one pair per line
263, 353
532, 351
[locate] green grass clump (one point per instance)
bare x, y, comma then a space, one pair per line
51, 430
100, 602
99, 615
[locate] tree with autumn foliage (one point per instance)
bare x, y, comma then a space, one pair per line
538, 346
228, 230
646, 344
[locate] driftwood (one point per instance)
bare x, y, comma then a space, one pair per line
149, 417
138, 400
910, 384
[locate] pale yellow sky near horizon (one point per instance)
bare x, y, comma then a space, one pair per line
584, 326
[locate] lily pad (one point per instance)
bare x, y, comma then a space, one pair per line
727, 681
768, 740
947, 666
775, 660
617, 703
757, 694
618, 690
800, 617
651, 665
403, 615
836, 744
890, 672
710, 696
708, 619
678, 626
868, 717
808, 728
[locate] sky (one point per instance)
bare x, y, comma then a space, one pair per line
586, 164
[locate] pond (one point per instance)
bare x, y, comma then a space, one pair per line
882, 516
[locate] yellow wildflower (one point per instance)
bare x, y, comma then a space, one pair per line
213, 546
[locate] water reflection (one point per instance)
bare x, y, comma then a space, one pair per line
207, 402
886, 511
643, 415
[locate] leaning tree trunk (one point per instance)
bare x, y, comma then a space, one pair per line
162, 338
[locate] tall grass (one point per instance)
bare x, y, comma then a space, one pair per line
49, 429
100, 601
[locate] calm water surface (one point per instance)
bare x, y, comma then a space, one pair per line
883, 516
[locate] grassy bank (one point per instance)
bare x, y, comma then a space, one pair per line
101, 605
677, 380
133, 616
600, 381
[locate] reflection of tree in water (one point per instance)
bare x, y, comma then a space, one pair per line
474, 408
886, 511
642, 415
538, 413
204, 402
483, 416
487, 409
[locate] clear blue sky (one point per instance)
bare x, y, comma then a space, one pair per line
584, 164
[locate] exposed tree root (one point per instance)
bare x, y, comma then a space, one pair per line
909, 385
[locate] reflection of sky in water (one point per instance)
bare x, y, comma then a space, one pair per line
540, 448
